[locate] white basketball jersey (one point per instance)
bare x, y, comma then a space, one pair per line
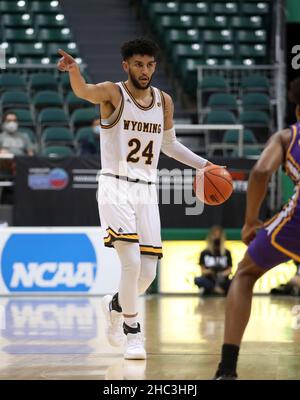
130, 145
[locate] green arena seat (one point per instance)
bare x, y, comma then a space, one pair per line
24, 116
83, 117
222, 36
254, 119
29, 132
198, 8
160, 8
37, 49
20, 35
11, 81
52, 117
217, 22
15, 98
57, 136
167, 22
254, 22
228, 8
45, 7
255, 8
73, 102
225, 50
17, 20
255, 83
55, 35
50, 21
57, 151
47, 98
223, 101
256, 101
40, 81
252, 36
36, 61
14, 7
187, 50
220, 117
183, 36
255, 50
232, 137
213, 83
70, 47
86, 134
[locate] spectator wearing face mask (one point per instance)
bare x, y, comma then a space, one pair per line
91, 144
12, 141
216, 264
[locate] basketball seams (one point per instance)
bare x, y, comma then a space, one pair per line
219, 176
214, 187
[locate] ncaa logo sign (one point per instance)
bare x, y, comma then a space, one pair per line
63, 262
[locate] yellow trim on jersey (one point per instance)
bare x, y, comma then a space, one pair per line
134, 100
289, 155
118, 116
294, 256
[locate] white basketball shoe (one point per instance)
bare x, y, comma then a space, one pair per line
135, 349
114, 323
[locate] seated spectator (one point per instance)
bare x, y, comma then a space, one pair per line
11, 140
91, 145
292, 287
216, 264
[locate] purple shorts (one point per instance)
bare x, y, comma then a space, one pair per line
263, 253
279, 240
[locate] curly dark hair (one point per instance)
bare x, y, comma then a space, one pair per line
142, 46
294, 92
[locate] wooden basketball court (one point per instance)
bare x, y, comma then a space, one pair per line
63, 338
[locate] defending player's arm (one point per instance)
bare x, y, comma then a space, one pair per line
170, 145
268, 163
96, 94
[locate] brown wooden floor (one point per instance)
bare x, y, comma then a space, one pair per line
63, 338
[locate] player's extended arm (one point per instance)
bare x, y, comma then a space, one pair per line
94, 93
170, 145
269, 162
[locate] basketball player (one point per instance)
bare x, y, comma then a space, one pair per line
277, 241
136, 123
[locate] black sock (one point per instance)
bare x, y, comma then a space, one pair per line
129, 329
115, 303
227, 366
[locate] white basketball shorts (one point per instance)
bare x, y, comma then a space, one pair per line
129, 212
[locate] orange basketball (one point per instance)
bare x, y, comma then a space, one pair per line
213, 185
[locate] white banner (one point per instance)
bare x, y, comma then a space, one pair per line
56, 261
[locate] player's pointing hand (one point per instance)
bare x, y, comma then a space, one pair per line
67, 62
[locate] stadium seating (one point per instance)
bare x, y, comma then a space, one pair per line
57, 151
57, 136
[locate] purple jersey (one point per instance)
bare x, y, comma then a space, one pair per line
279, 239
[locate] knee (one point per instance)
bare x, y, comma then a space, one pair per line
248, 272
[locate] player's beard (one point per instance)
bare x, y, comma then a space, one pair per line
136, 83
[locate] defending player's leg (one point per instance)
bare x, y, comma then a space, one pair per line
238, 308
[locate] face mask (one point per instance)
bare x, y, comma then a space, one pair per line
217, 242
10, 127
96, 129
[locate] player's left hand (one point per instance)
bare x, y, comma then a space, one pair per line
249, 231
